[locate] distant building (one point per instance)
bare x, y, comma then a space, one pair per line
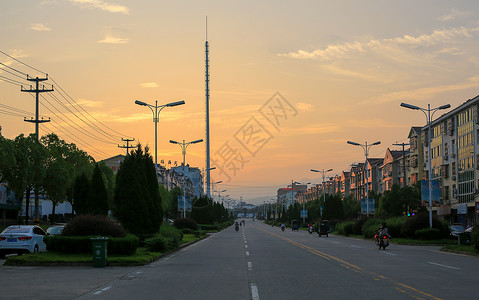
114, 162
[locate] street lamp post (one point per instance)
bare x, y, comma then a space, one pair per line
324, 173
183, 146
429, 116
156, 118
366, 152
218, 182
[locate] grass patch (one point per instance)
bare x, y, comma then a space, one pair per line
403, 241
188, 238
457, 248
141, 257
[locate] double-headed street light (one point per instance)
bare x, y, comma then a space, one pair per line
366, 152
183, 146
429, 116
324, 173
156, 118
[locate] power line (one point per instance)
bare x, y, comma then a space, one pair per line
22, 63
24, 74
58, 86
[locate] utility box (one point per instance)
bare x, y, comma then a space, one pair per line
462, 239
99, 251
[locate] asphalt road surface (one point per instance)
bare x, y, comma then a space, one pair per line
262, 262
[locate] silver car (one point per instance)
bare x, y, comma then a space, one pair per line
22, 239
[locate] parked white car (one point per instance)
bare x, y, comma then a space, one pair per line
22, 239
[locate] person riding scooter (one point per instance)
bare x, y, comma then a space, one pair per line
283, 227
236, 226
382, 232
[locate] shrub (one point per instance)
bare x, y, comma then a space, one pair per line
427, 234
171, 232
421, 221
394, 226
181, 223
358, 225
475, 237
89, 225
159, 243
370, 227
345, 228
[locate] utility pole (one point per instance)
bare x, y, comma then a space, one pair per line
37, 92
127, 145
403, 161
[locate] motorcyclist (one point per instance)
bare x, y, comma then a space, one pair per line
383, 231
283, 226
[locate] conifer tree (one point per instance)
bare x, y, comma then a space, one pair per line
137, 200
98, 197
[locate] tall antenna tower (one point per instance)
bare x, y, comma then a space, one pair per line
207, 91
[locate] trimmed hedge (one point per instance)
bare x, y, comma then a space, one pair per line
82, 244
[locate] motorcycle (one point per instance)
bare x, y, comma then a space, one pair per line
382, 241
310, 230
282, 228
236, 227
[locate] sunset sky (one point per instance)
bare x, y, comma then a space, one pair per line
339, 68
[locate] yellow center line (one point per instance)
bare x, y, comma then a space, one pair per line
348, 265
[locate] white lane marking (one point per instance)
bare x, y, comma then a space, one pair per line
102, 290
356, 246
250, 266
247, 252
388, 253
254, 292
246, 246
440, 265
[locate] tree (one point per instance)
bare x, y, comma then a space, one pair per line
333, 207
59, 174
57, 181
137, 200
351, 207
392, 203
29, 171
81, 194
98, 197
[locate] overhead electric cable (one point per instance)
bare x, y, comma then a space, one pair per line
24, 74
22, 63
68, 109
60, 88
76, 127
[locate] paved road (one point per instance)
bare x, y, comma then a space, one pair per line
261, 262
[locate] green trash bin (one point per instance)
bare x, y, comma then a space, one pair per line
462, 239
99, 251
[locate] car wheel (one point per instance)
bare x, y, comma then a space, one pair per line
2, 255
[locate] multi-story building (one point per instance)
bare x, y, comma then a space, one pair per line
454, 148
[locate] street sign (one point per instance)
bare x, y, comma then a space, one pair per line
187, 204
436, 192
367, 205
304, 213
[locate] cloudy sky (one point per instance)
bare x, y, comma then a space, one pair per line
291, 81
